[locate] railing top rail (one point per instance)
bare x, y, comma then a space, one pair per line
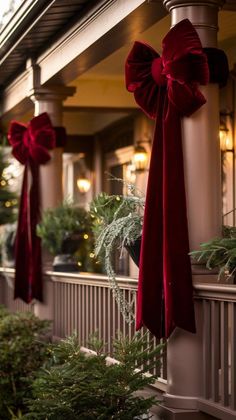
91, 279
201, 290
215, 291
61, 276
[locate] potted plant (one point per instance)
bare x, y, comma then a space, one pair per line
7, 241
219, 253
64, 230
117, 223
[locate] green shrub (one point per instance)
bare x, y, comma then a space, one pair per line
78, 386
23, 349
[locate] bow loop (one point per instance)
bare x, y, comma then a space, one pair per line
17, 138
183, 63
139, 78
33, 141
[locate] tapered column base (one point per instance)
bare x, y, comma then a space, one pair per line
162, 412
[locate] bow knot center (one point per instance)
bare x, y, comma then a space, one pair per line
158, 72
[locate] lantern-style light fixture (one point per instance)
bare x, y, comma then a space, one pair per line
140, 158
226, 140
83, 182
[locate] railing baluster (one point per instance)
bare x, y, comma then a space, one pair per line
108, 316
233, 356
79, 292
104, 315
82, 316
206, 349
87, 314
99, 313
215, 341
224, 353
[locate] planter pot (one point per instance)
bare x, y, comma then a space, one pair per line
134, 251
71, 244
65, 263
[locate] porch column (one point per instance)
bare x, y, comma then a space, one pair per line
50, 100
203, 192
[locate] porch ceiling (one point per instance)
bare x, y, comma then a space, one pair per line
34, 28
109, 73
39, 23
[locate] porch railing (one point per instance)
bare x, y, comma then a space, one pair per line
219, 349
7, 292
84, 303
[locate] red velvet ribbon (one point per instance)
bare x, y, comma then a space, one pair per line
166, 88
30, 146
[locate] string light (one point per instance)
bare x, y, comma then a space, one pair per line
86, 236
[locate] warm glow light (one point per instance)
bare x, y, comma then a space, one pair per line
83, 184
140, 158
226, 141
86, 236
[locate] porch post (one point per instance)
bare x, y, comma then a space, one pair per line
50, 100
203, 192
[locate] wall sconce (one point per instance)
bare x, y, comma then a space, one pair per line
226, 140
140, 158
83, 182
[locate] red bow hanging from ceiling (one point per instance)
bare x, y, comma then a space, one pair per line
166, 88
30, 146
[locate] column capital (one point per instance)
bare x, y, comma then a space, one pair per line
172, 4
51, 93
203, 14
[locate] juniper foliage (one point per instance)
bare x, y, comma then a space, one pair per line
117, 222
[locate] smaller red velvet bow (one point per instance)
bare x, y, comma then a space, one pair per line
30, 145
167, 88
32, 142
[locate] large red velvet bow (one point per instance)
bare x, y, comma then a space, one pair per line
30, 146
166, 88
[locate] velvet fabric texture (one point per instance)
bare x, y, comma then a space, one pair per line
166, 88
30, 146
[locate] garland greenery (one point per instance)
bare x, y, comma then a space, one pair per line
219, 253
117, 222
